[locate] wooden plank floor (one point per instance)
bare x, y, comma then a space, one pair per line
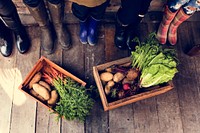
176, 111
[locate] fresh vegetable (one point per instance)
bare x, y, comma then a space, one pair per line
106, 76
121, 94
157, 65
111, 83
42, 91
54, 98
126, 86
36, 78
36, 95
74, 100
107, 89
118, 77
132, 74
125, 80
46, 85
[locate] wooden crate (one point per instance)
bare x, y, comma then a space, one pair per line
108, 106
40, 65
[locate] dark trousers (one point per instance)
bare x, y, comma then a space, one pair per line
34, 3
131, 10
9, 15
83, 12
6, 7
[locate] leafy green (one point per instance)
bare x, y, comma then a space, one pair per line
74, 102
157, 65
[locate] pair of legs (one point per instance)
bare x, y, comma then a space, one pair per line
56, 10
9, 19
89, 18
128, 17
176, 12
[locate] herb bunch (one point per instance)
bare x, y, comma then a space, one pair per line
75, 102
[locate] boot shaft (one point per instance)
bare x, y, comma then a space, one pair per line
40, 14
168, 16
9, 16
180, 17
56, 12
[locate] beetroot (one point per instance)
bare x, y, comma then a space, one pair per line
126, 86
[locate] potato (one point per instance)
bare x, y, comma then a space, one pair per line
111, 83
45, 84
106, 76
36, 78
118, 77
132, 74
37, 95
54, 98
107, 90
42, 91
125, 80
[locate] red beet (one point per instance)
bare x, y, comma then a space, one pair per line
126, 86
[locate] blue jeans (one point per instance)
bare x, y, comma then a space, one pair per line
189, 6
34, 3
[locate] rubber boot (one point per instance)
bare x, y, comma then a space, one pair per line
164, 25
132, 31
131, 34
6, 40
57, 15
120, 35
83, 31
40, 14
179, 18
92, 31
11, 19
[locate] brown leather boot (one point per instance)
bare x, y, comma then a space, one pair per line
179, 18
164, 25
57, 15
40, 14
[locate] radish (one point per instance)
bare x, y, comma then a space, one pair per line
126, 86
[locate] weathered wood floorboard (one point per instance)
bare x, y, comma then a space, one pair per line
47, 122
176, 111
8, 71
167, 104
94, 55
24, 108
187, 84
73, 62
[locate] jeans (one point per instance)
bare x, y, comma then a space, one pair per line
83, 12
189, 6
130, 10
34, 3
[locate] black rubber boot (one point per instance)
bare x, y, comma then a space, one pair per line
40, 14
57, 15
131, 34
6, 40
120, 35
11, 19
